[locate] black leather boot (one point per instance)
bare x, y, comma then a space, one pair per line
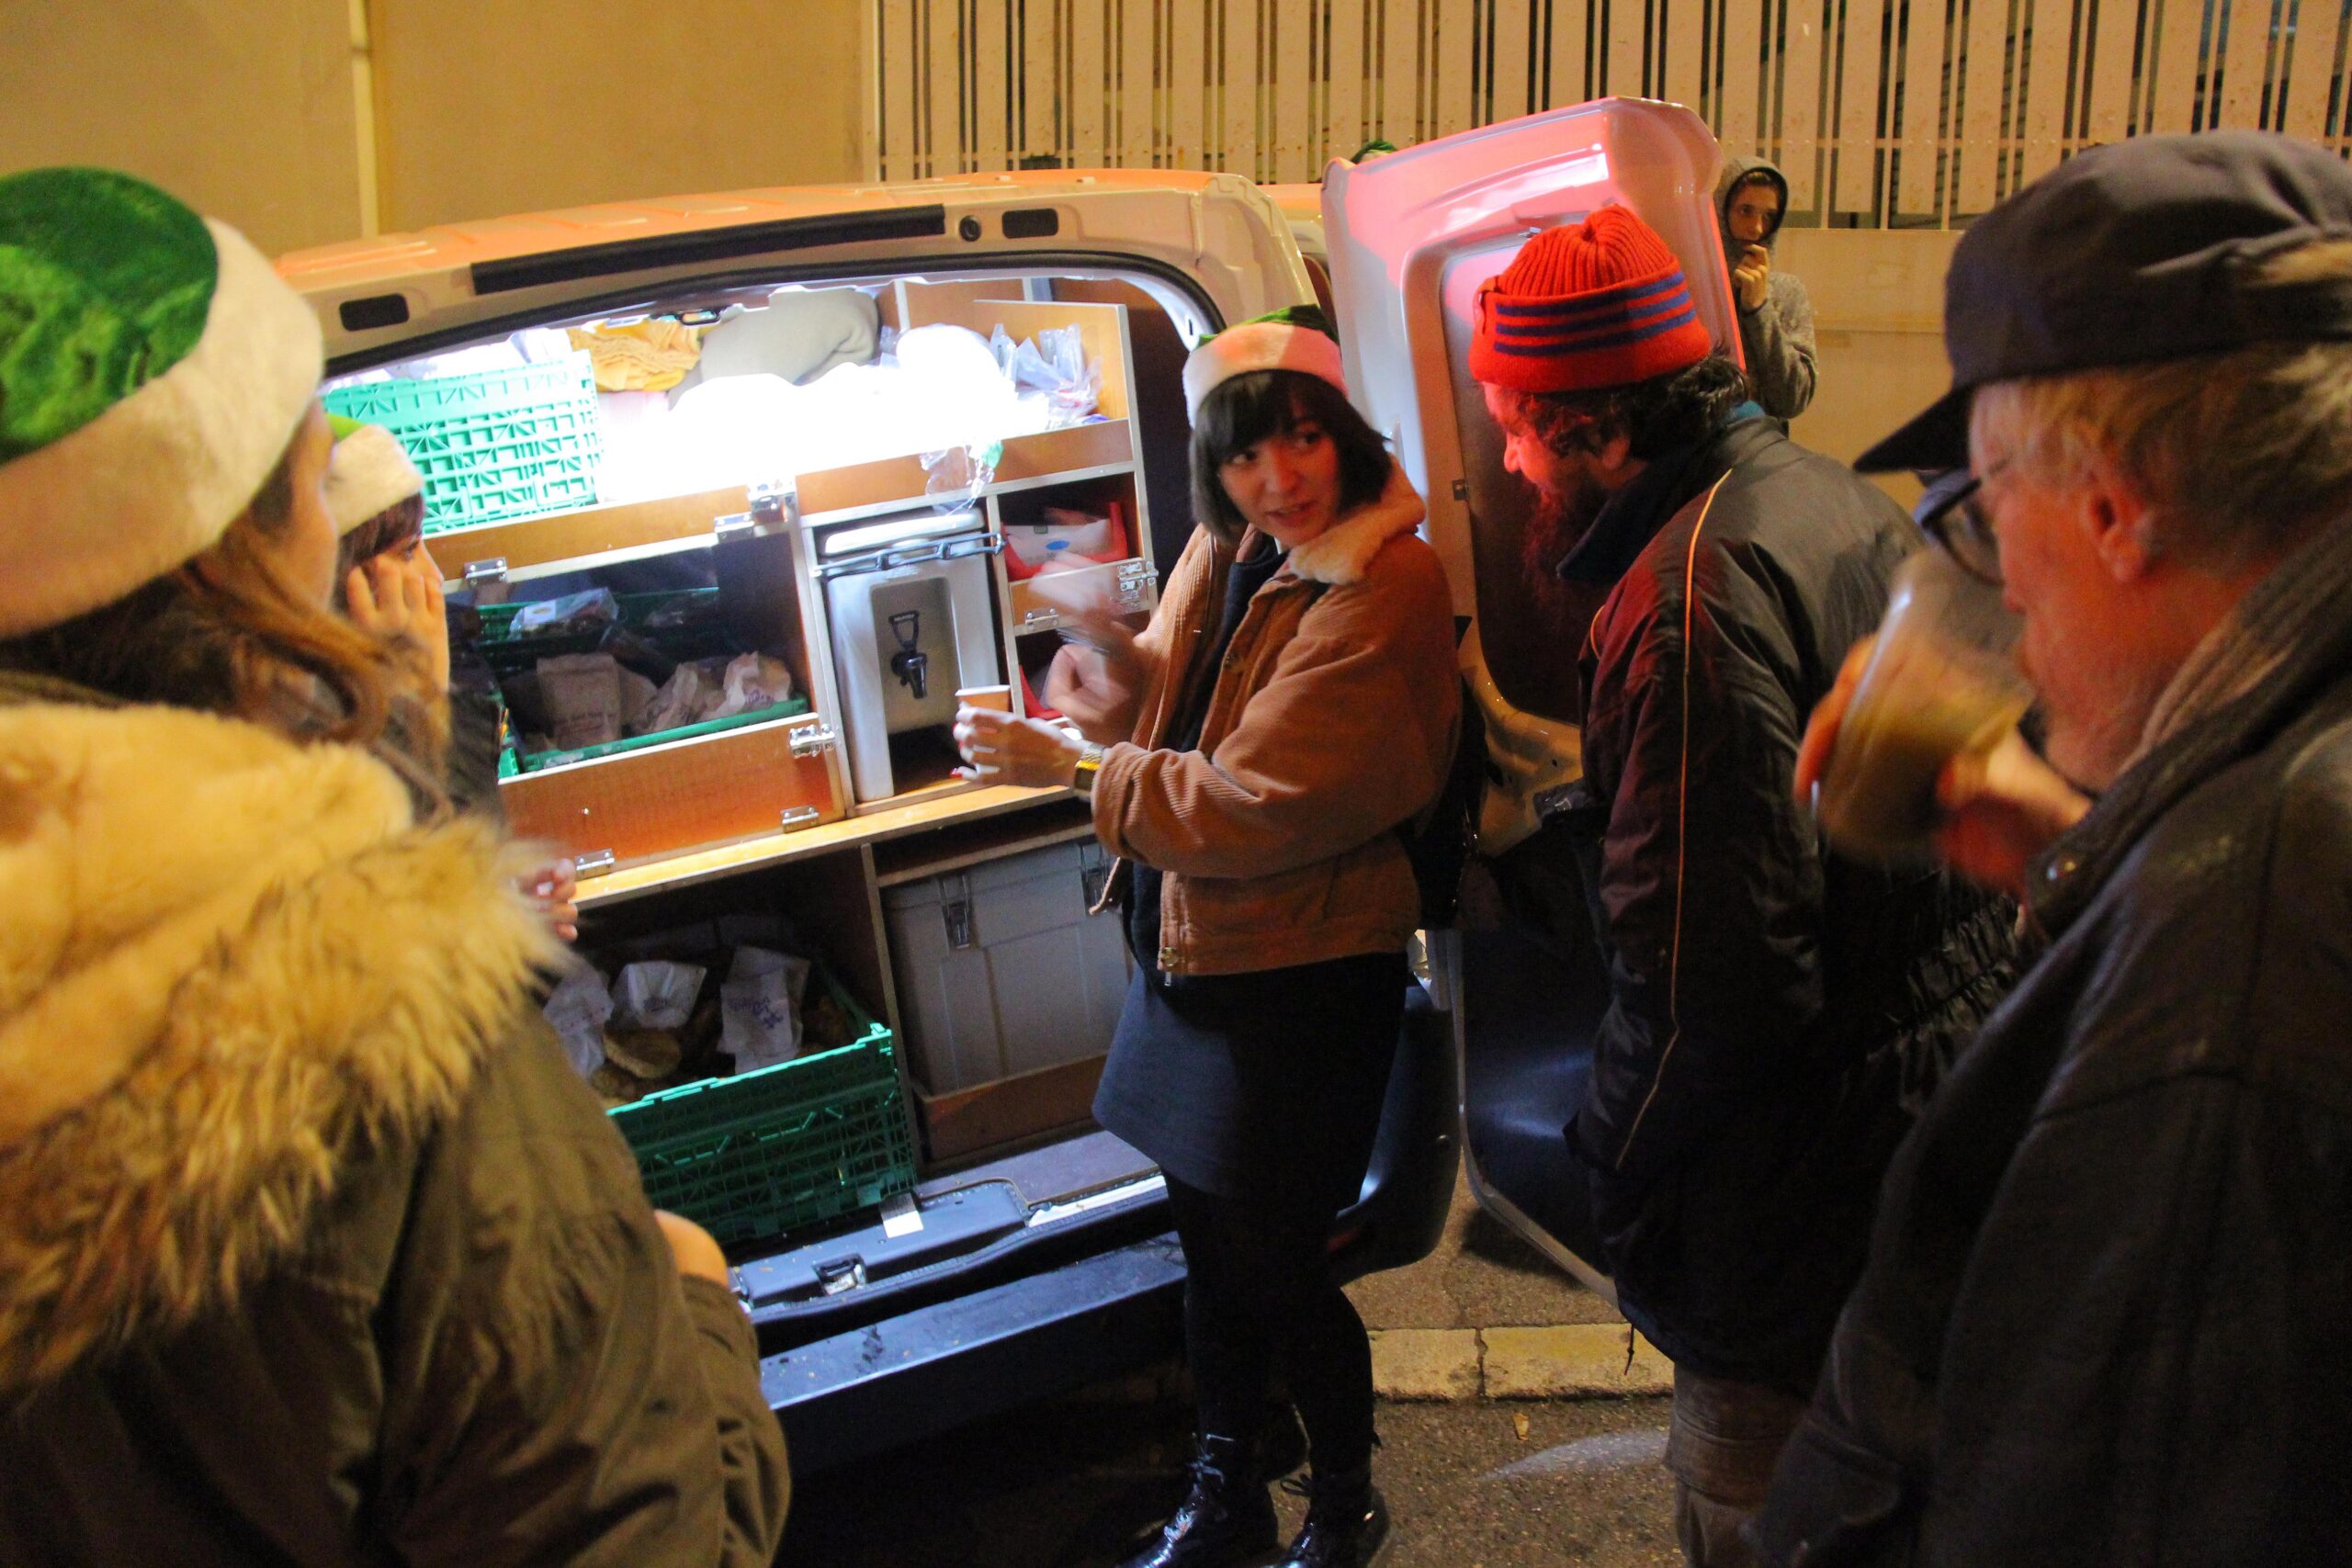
1347, 1522
1226, 1521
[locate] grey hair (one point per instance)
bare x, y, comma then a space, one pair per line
2239, 454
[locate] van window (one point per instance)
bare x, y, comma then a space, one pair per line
752, 385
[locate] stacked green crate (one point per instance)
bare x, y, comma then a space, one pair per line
493, 444
751, 1156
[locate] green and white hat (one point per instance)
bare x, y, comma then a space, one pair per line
153, 369
1297, 338
369, 471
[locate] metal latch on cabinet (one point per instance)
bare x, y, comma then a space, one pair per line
772, 504
487, 578
801, 817
1136, 580
956, 912
813, 740
594, 863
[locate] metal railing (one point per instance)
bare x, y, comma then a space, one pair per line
1883, 113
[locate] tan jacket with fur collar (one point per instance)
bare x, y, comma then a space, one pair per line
313, 1248
1331, 724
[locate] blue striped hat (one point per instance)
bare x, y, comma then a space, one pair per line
1597, 304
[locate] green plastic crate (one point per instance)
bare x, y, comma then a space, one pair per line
492, 445
751, 1156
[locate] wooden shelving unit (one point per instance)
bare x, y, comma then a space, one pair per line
699, 829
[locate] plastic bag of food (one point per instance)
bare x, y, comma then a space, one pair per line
577, 1009
754, 681
648, 1054
637, 700
573, 612
583, 693
682, 699
656, 994
953, 477
760, 1008
1063, 534
825, 1024
1052, 366
616, 1086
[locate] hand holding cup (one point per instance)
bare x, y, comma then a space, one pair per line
1915, 753
1001, 749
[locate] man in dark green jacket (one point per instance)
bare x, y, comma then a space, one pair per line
313, 1250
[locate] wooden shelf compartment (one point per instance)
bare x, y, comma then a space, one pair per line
888, 484
1061, 819
554, 537
981, 305
889, 822
827, 900
703, 790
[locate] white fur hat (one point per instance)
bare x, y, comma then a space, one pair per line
369, 471
1296, 339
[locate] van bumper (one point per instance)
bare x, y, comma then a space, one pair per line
929, 1370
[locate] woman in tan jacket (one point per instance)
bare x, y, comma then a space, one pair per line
1251, 756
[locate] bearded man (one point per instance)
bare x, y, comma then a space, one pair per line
1778, 1012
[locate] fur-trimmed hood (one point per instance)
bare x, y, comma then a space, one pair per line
1344, 552
228, 959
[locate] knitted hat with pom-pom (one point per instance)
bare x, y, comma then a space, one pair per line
1597, 304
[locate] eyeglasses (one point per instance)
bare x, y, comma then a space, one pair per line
1952, 514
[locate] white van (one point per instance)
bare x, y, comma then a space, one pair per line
974, 1242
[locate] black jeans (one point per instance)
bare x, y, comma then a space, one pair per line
1261, 1295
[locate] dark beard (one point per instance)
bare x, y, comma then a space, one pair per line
1558, 524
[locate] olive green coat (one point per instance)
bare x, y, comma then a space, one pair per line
312, 1249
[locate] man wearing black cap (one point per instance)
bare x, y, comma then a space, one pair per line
2105, 1315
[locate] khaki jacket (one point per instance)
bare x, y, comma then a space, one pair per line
314, 1249
1331, 724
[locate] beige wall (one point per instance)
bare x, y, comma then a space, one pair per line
243, 106
480, 107
493, 107
488, 107
1878, 310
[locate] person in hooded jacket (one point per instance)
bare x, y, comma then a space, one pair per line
314, 1248
1778, 1012
1250, 756
1775, 312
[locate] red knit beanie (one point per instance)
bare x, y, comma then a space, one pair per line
1601, 303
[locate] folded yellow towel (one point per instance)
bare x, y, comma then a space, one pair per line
652, 356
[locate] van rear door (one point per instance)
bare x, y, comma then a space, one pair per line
1410, 236
1211, 246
